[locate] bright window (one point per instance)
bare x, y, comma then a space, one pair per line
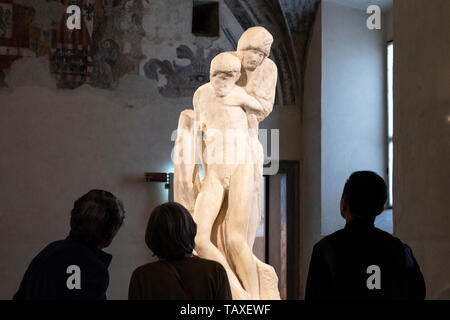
390, 119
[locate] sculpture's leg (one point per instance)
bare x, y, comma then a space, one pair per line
268, 281
255, 216
207, 207
186, 177
237, 223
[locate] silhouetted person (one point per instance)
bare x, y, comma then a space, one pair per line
76, 268
178, 275
361, 261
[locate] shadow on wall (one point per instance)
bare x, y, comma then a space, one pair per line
444, 295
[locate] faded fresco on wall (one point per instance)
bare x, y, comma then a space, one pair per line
182, 80
112, 40
71, 51
5, 20
14, 34
117, 42
106, 48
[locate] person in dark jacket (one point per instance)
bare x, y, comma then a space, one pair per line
76, 268
178, 275
361, 262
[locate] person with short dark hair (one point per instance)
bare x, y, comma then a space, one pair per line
178, 275
362, 262
76, 268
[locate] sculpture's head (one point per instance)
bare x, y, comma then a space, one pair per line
225, 71
254, 46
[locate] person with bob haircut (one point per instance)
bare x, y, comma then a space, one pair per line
76, 268
178, 274
362, 262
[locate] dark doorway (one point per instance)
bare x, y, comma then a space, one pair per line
282, 222
205, 18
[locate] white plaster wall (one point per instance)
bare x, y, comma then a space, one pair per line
353, 104
422, 136
339, 118
58, 144
310, 171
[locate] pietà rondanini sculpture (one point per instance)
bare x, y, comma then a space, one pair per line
221, 134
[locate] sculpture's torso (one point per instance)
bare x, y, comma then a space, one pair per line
218, 116
225, 135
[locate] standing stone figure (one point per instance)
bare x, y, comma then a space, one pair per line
222, 133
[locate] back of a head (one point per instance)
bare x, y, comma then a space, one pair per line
96, 217
256, 38
225, 62
171, 231
365, 193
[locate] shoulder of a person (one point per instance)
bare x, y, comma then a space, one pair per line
70, 252
47, 254
389, 237
145, 267
58, 256
329, 240
239, 90
54, 248
269, 64
394, 244
209, 263
148, 268
332, 237
203, 92
400, 244
55, 245
203, 88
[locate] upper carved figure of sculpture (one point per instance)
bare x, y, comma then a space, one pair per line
222, 132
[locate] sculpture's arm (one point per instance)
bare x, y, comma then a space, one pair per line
251, 104
264, 86
186, 175
185, 167
198, 125
240, 97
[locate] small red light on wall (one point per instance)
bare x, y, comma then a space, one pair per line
156, 177
166, 178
